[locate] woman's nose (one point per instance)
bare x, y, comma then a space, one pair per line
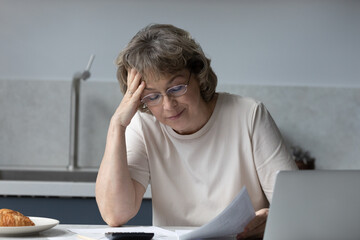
169, 102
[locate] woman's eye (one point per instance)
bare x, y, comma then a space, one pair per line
175, 89
153, 97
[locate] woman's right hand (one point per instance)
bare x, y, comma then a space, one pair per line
117, 194
131, 100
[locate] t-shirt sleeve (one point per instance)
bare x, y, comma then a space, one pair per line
136, 152
270, 152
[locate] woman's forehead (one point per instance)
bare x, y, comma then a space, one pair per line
154, 76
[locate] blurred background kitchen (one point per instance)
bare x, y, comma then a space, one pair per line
300, 57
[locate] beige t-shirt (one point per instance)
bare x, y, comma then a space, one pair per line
194, 177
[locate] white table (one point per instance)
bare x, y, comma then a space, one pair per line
58, 232
63, 232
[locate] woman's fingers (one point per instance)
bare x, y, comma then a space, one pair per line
135, 86
131, 100
255, 227
139, 90
133, 81
258, 220
257, 232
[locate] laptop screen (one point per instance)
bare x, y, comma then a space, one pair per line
315, 204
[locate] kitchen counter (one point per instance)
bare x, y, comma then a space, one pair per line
51, 189
50, 198
59, 232
63, 232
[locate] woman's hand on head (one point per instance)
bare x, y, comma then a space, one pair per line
131, 100
256, 227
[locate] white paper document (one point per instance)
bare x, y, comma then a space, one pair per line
231, 221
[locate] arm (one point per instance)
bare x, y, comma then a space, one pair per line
118, 196
269, 149
271, 156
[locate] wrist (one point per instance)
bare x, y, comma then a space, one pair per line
116, 124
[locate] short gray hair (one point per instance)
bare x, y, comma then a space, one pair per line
165, 49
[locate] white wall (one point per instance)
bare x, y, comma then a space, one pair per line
288, 44
35, 120
262, 42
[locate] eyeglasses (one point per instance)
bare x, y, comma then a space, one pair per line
153, 99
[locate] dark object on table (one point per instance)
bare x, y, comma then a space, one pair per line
302, 159
129, 235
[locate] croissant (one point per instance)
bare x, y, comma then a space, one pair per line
11, 218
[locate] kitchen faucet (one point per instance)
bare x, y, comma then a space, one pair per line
74, 114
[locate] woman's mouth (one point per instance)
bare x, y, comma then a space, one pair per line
177, 116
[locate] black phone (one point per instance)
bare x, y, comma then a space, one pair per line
129, 235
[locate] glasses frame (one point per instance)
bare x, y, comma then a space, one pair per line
167, 93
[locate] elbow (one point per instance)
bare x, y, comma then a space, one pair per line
115, 222
119, 219
115, 211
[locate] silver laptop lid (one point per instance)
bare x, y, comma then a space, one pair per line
316, 205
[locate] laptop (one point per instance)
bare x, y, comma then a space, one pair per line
315, 205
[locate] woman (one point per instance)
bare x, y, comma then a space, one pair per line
196, 147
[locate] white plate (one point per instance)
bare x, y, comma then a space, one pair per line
41, 224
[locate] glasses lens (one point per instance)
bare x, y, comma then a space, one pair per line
177, 91
151, 99
155, 98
